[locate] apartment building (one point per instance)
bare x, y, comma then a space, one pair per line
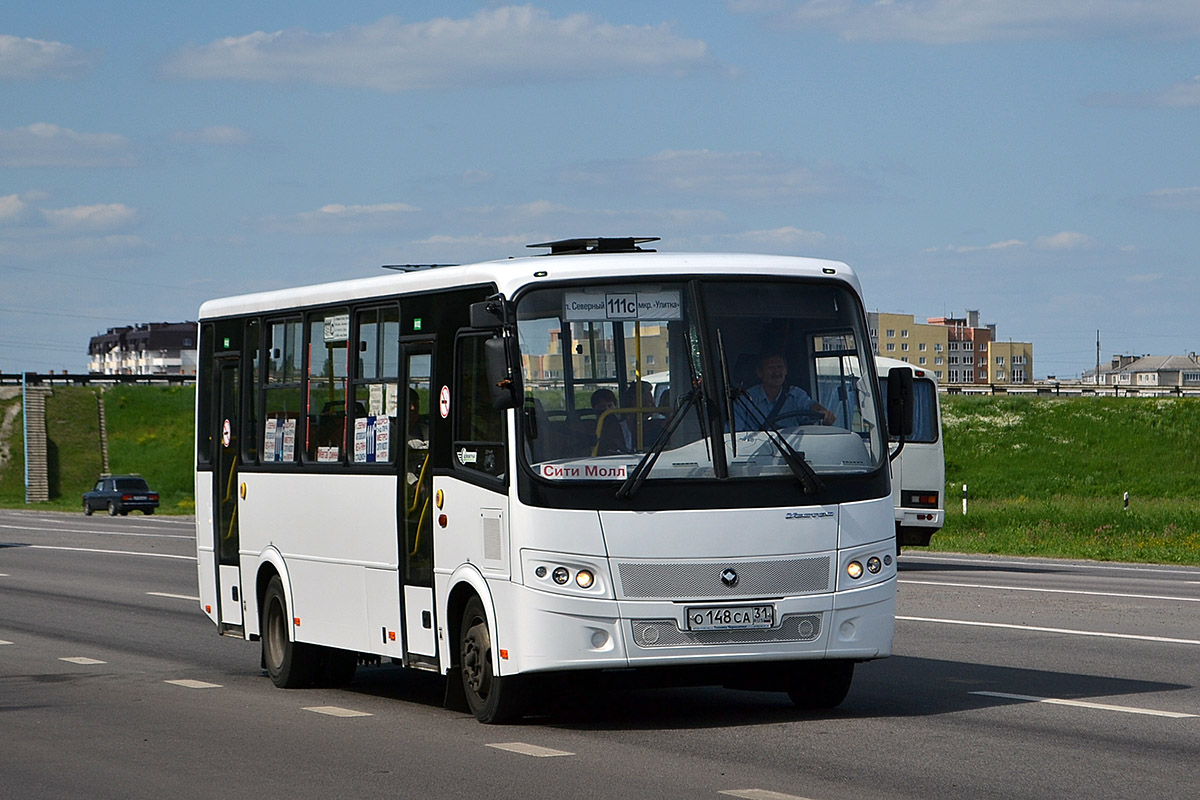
151, 348
900, 336
1010, 362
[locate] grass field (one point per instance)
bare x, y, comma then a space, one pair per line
149, 432
1045, 476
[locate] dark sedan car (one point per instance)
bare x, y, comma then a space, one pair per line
120, 494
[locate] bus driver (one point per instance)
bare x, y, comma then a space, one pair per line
772, 401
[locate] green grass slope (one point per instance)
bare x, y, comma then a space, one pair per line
149, 432
1047, 476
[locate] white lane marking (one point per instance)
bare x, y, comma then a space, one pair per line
335, 711
1039, 629
2, 642
95, 532
1044, 563
4, 575
530, 749
191, 684
760, 794
174, 596
108, 552
82, 660
1052, 591
1056, 701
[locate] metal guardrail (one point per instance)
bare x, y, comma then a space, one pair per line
92, 379
1069, 390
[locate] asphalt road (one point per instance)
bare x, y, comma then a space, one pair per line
1012, 678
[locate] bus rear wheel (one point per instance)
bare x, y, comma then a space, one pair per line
291, 665
820, 685
492, 698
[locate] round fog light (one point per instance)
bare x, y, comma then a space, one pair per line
540, 572
584, 578
854, 570
560, 575
874, 565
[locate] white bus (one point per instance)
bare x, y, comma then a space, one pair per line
919, 471
457, 470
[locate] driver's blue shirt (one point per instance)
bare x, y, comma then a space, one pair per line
796, 400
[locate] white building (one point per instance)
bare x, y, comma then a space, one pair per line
151, 348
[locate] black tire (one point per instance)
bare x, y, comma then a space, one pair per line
820, 685
112, 509
291, 665
87, 510
493, 699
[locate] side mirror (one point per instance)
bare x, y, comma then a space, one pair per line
489, 314
899, 403
503, 382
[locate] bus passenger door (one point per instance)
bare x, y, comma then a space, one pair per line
225, 489
416, 509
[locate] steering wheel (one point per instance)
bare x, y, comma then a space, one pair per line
808, 417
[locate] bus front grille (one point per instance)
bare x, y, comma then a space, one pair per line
703, 580
666, 633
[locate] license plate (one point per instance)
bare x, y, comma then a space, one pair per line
139, 497
720, 618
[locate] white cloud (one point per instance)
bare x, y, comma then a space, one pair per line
43, 144
747, 176
103, 217
1064, 240
216, 135
12, 208
510, 45
1181, 95
785, 238
31, 59
336, 218
1185, 198
958, 21
1007, 244
1185, 94
1149, 277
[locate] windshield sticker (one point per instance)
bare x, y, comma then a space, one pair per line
584, 472
631, 305
466, 456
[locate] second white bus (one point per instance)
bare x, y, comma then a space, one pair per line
919, 471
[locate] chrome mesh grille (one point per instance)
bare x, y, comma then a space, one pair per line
783, 578
666, 633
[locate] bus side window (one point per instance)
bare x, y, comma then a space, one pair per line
479, 430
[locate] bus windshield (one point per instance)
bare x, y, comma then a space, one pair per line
698, 379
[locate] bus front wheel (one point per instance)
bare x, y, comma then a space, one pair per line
291, 665
491, 697
817, 685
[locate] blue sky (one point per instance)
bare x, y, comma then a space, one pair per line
1038, 160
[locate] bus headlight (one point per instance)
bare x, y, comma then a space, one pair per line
854, 569
584, 578
874, 565
561, 575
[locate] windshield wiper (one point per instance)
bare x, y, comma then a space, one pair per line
637, 476
805, 474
